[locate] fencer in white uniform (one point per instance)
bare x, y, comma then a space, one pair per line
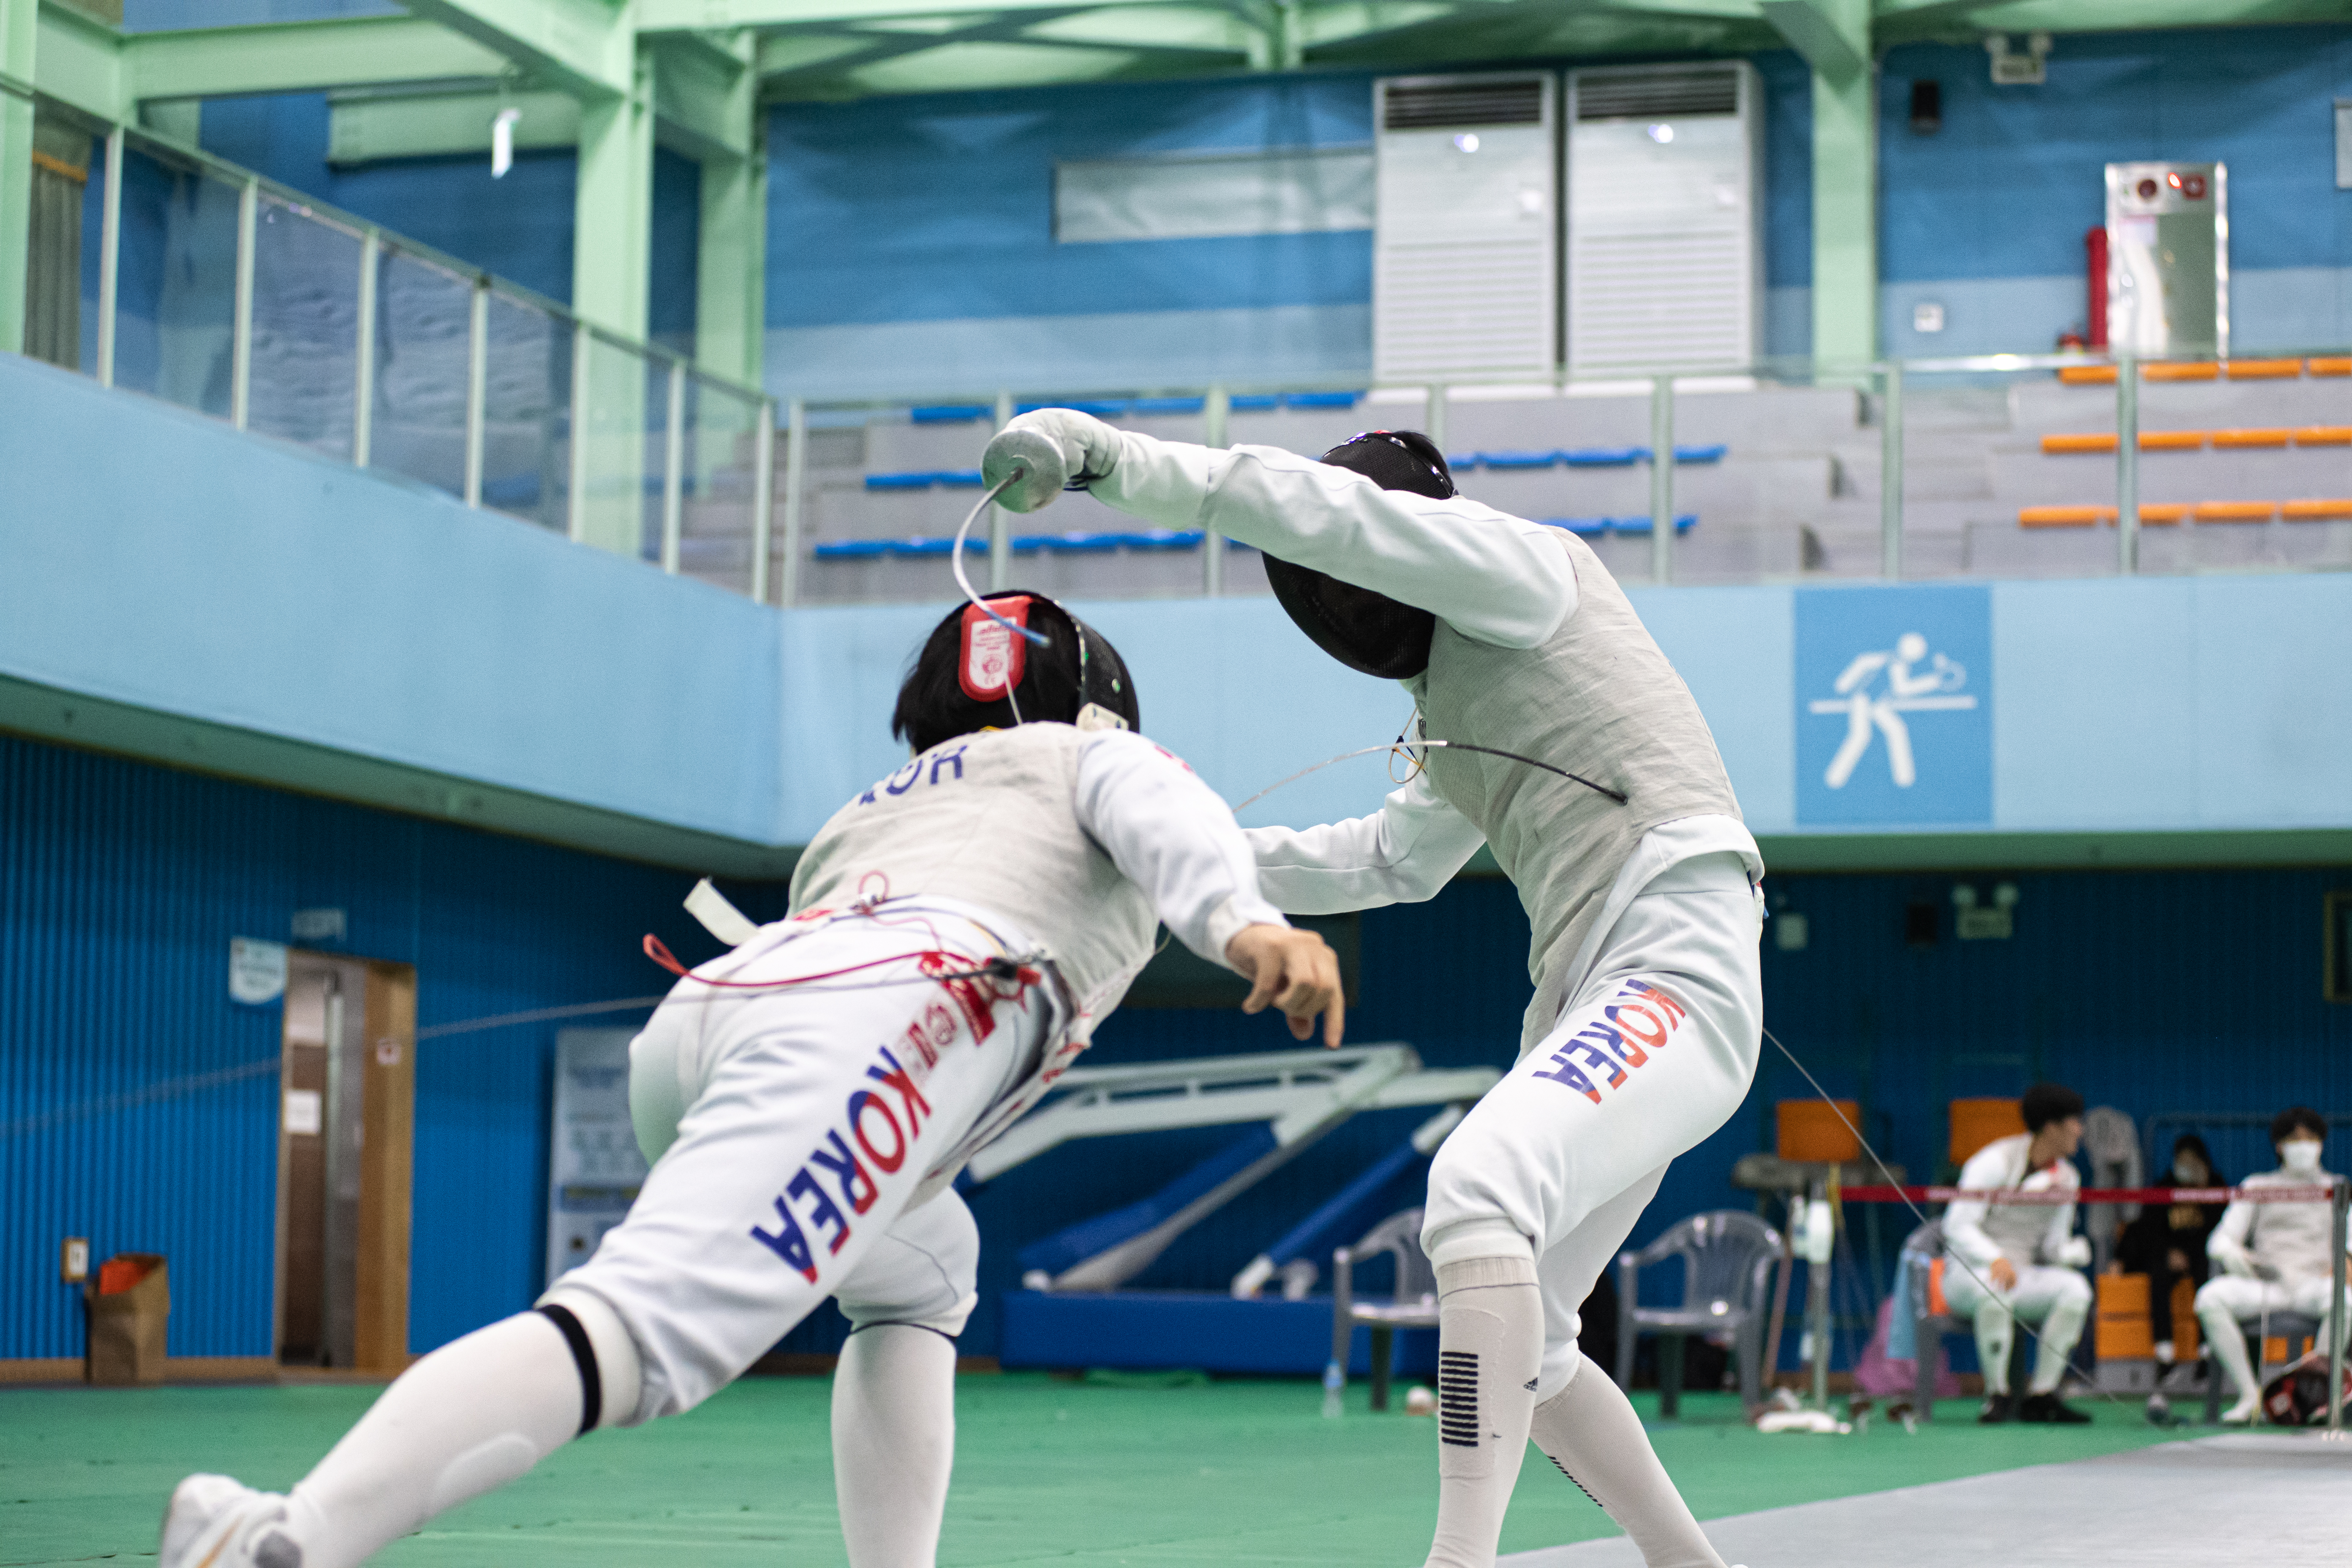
2024, 1261
2269, 1256
1611, 812
956, 932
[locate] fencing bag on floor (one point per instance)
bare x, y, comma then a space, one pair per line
2298, 1395
129, 1307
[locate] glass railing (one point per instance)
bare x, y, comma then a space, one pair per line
209, 287
165, 271
1999, 466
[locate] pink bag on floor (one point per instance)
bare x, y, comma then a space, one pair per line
1885, 1378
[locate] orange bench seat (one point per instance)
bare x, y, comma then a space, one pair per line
2226, 440
2322, 511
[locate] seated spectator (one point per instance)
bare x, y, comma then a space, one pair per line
2023, 1260
2274, 1257
2167, 1243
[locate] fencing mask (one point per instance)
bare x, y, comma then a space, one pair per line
1364, 630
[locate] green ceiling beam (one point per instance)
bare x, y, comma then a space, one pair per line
672, 16
300, 57
703, 94
584, 47
1833, 39
76, 60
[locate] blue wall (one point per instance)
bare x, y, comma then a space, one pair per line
518, 226
138, 1103
938, 263
120, 885
1986, 215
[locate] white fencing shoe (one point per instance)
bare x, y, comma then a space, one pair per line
2242, 1413
213, 1522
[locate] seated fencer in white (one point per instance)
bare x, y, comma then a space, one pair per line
1602, 793
2024, 1261
957, 932
2269, 1256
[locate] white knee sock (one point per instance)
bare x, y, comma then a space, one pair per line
2059, 1334
471, 1416
893, 1443
1995, 1329
2225, 1343
1489, 1346
1589, 1431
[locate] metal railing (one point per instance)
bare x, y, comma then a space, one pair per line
1927, 468
222, 291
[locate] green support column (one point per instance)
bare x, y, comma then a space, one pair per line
730, 284
612, 228
20, 22
1834, 36
610, 263
1845, 217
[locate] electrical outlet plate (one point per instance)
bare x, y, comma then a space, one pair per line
73, 1260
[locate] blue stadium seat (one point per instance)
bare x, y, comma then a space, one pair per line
1628, 527
852, 550
1143, 406
1582, 527
1108, 408
1700, 453
959, 479
1605, 456
1163, 539
950, 413
1517, 459
916, 482
1322, 399
1255, 401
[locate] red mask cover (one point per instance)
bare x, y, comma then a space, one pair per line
995, 657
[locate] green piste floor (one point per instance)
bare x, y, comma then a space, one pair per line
1087, 1474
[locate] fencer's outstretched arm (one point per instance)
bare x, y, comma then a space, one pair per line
1403, 853
1170, 835
1489, 575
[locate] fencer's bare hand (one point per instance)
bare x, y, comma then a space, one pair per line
2003, 1273
1293, 970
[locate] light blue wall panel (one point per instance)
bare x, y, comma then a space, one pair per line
201, 573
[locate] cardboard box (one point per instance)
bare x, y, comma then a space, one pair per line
129, 1304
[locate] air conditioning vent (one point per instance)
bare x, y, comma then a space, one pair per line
1457, 105
1466, 231
1677, 93
1664, 249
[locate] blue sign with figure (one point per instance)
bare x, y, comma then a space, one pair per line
1895, 705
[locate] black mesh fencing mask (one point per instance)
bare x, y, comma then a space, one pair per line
1364, 630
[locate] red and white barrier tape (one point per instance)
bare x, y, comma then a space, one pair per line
2052, 1195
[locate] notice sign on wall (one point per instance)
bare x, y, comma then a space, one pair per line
594, 1169
257, 970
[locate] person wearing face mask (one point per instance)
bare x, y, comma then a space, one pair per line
2274, 1257
2167, 1243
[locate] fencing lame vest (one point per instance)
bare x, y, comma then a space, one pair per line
1598, 698
990, 820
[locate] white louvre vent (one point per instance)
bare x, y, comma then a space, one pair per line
1465, 246
1664, 249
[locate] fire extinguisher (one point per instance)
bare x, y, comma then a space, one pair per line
2095, 244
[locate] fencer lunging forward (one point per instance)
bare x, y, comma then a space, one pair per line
1638, 877
957, 930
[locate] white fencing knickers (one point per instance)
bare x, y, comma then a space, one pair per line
2056, 1302
1653, 1052
801, 1142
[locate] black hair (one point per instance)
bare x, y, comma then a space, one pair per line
2297, 1118
932, 705
2189, 1143
2047, 1102
1396, 460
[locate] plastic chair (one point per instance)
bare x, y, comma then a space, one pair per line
1413, 1306
1727, 1262
2292, 1327
1919, 1253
